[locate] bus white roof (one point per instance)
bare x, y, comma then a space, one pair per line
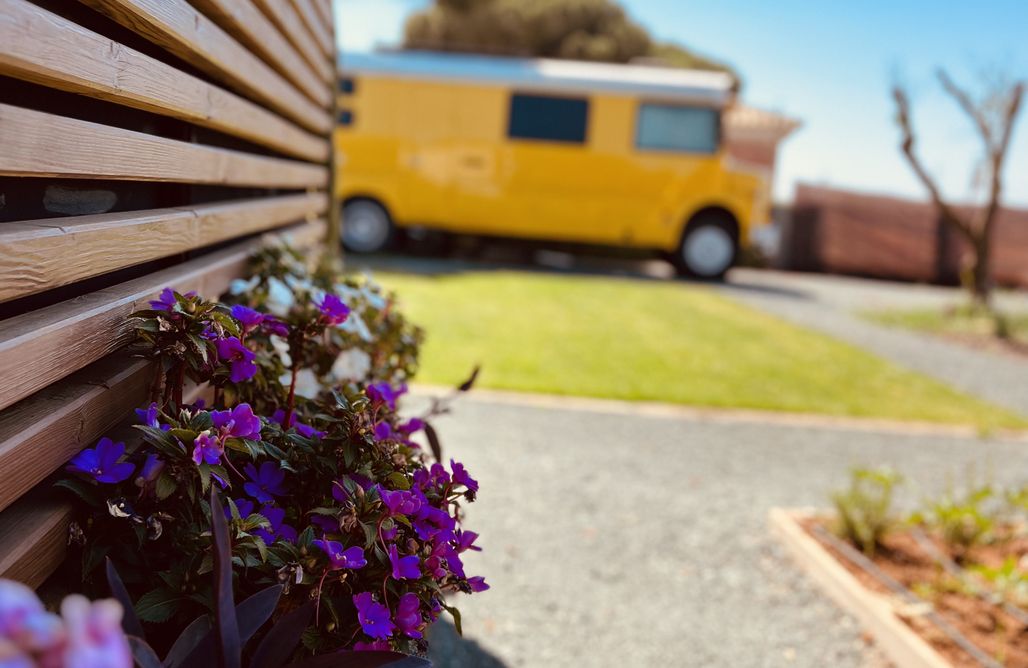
666, 83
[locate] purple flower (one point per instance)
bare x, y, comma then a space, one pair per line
247, 317
466, 541
376, 646
383, 431
279, 529
400, 502
207, 448
101, 462
333, 310
408, 615
265, 483
151, 470
383, 393
240, 422
305, 430
436, 476
149, 417
244, 506
411, 426
166, 301
461, 477
373, 616
404, 568
352, 557
477, 584
276, 326
240, 358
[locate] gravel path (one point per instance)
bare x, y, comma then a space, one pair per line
616, 540
830, 304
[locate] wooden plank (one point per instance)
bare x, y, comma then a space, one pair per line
34, 530
314, 26
41, 347
41, 433
255, 31
44, 48
284, 15
40, 255
182, 30
34, 537
40, 144
324, 9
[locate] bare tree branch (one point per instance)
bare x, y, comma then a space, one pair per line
907, 146
969, 107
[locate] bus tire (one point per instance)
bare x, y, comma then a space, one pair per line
709, 247
367, 227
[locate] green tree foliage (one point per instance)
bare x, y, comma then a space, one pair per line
597, 30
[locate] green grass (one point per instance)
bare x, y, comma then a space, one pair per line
963, 322
660, 341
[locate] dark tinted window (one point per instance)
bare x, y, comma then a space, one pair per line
345, 117
545, 118
347, 85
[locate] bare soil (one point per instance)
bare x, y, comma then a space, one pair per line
984, 623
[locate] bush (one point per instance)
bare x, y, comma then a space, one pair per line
326, 492
962, 522
865, 508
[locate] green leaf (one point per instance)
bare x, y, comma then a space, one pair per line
158, 605
455, 613
166, 486
398, 480
83, 490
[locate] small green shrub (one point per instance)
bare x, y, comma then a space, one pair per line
865, 508
1009, 581
963, 522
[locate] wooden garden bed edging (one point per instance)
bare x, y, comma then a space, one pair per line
876, 613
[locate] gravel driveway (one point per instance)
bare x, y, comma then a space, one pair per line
616, 540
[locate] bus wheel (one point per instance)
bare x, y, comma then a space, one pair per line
367, 227
708, 248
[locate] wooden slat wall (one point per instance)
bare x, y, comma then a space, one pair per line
215, 118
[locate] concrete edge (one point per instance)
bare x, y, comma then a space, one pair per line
724, 415
875, 612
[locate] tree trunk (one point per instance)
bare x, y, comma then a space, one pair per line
981, 272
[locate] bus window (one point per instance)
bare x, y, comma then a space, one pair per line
347, 86
560, 119
673, 128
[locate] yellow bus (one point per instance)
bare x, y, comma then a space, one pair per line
587, 153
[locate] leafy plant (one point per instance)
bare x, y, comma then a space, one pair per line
865, 508
329, 497
963, 522
1009, 580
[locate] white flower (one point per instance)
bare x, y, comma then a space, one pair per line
355, 325
307, 384
352, 364
280, 297
239, 286
281, 347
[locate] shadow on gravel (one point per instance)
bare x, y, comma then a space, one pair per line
449, 650
765, 289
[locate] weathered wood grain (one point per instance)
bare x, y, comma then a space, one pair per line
284, 15
256, 32
314, 25
41, 433
324, 10
44, 48
184, 31
33, 537
38, 255
35, 143
41, 347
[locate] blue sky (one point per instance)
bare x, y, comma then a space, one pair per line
830, 64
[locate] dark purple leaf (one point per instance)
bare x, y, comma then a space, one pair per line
143, 654
225, 624
188, 640
129, 622
363, 660
433, 442
470, 382
280, 642
254, 611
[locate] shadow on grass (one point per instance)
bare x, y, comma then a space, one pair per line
449, 650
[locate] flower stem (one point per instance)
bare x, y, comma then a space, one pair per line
291, 403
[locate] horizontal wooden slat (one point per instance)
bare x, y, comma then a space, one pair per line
39, 255
34, 537
190, 35
314, 26
284, 15
44, 48
34, 143
255, 31
41, 433
325, 12
41, 347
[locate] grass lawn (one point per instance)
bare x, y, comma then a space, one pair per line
960, 322
660, 341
